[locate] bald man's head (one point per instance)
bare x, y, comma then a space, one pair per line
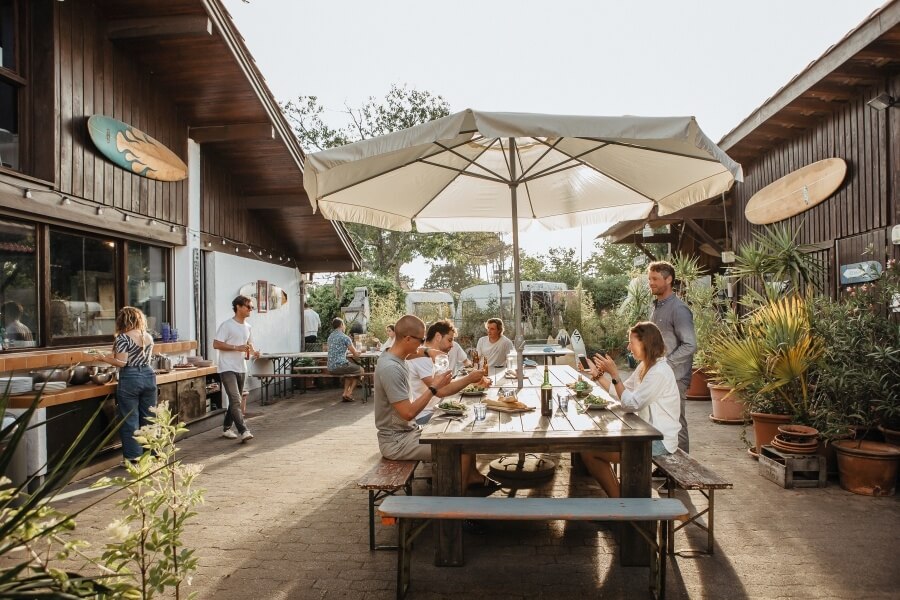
410, 325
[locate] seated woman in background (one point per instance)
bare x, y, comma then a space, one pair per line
651, 391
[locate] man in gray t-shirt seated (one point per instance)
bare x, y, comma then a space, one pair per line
396, 409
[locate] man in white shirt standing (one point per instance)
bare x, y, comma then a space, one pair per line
494, 346
234, 341
311, 324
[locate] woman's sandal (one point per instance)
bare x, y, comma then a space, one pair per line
346, 398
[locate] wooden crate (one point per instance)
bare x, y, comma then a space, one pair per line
792, 470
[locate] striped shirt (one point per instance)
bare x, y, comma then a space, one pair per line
137, 356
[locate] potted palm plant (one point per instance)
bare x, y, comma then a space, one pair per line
768, 358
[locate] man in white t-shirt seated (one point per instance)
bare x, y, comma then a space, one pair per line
439, 338
458, 357
495, 346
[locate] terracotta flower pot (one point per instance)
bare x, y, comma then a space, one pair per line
867, 468
765, 428
698, 389
891, 436
727, 406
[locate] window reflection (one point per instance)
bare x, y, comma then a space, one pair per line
147, 283
18, 287
82, 286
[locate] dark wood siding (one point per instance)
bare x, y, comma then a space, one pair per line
862, 210
95, 77
223, 210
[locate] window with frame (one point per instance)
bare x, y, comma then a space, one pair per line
18, 285
82, 286
12, 82
147, 283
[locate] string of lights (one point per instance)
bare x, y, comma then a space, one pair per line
37, 194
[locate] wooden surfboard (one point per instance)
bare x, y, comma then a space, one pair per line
796, 192
134, 150
707, 249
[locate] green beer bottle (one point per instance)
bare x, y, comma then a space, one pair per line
546, 394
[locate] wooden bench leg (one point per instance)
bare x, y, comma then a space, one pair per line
403, 559
661, 558
710, 537
670, 525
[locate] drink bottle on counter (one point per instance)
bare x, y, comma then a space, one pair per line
546, 394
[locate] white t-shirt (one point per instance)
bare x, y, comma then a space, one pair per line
656, 400
388, 343
234, 334
311, 322
457, 357
419, 368
497, 352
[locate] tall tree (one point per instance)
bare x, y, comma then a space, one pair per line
383, 252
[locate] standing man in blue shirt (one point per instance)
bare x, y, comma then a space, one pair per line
676, 323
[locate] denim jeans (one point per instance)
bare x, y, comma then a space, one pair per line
233, 384
136, 394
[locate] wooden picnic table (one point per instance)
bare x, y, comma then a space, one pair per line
282, 362
571, 431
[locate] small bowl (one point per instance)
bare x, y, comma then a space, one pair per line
102, 375
583, 393
798, 433
202, 363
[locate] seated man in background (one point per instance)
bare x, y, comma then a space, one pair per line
439, 339
14, 330
396, 407
494, 346
458, 356
339, 343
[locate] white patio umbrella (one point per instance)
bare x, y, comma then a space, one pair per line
484, 171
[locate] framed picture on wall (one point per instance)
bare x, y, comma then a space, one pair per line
262, 296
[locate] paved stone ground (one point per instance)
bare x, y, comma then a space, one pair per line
284, 519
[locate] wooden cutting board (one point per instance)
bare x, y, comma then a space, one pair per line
501, 406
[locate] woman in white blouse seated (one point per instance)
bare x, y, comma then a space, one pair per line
651, 391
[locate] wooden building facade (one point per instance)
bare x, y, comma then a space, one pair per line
824, 112
180, 72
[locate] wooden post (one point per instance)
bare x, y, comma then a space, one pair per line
635, 474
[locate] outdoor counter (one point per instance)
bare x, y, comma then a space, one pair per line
76, 393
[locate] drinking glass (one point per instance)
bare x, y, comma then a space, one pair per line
441, 364
480, 411
563, 400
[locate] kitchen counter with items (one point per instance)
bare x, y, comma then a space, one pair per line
76, 393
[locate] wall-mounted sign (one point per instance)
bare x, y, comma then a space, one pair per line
134, 150
860, 272
796, 192
273, 296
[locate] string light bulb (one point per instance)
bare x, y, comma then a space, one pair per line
99, 210
126, 218
172, 228
65, 201
647, 231
27, 194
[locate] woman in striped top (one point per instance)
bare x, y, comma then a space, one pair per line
136, 393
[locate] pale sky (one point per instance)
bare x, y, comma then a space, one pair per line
715, 60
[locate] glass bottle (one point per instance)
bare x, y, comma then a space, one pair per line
546, 394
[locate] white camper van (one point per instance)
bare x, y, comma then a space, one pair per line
430, 305
549, 294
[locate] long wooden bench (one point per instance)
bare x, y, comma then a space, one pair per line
385, 479
267, 378
404, 509
685, 472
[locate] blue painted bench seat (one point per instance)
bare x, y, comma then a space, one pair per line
404, 509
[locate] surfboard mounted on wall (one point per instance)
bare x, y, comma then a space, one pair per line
860, 272
796, 192
134, 150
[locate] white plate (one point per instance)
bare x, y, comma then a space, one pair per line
472, 393
454, 413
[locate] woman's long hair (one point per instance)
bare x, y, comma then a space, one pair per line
649, 336
130, 318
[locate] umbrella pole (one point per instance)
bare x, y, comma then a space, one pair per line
517, 312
